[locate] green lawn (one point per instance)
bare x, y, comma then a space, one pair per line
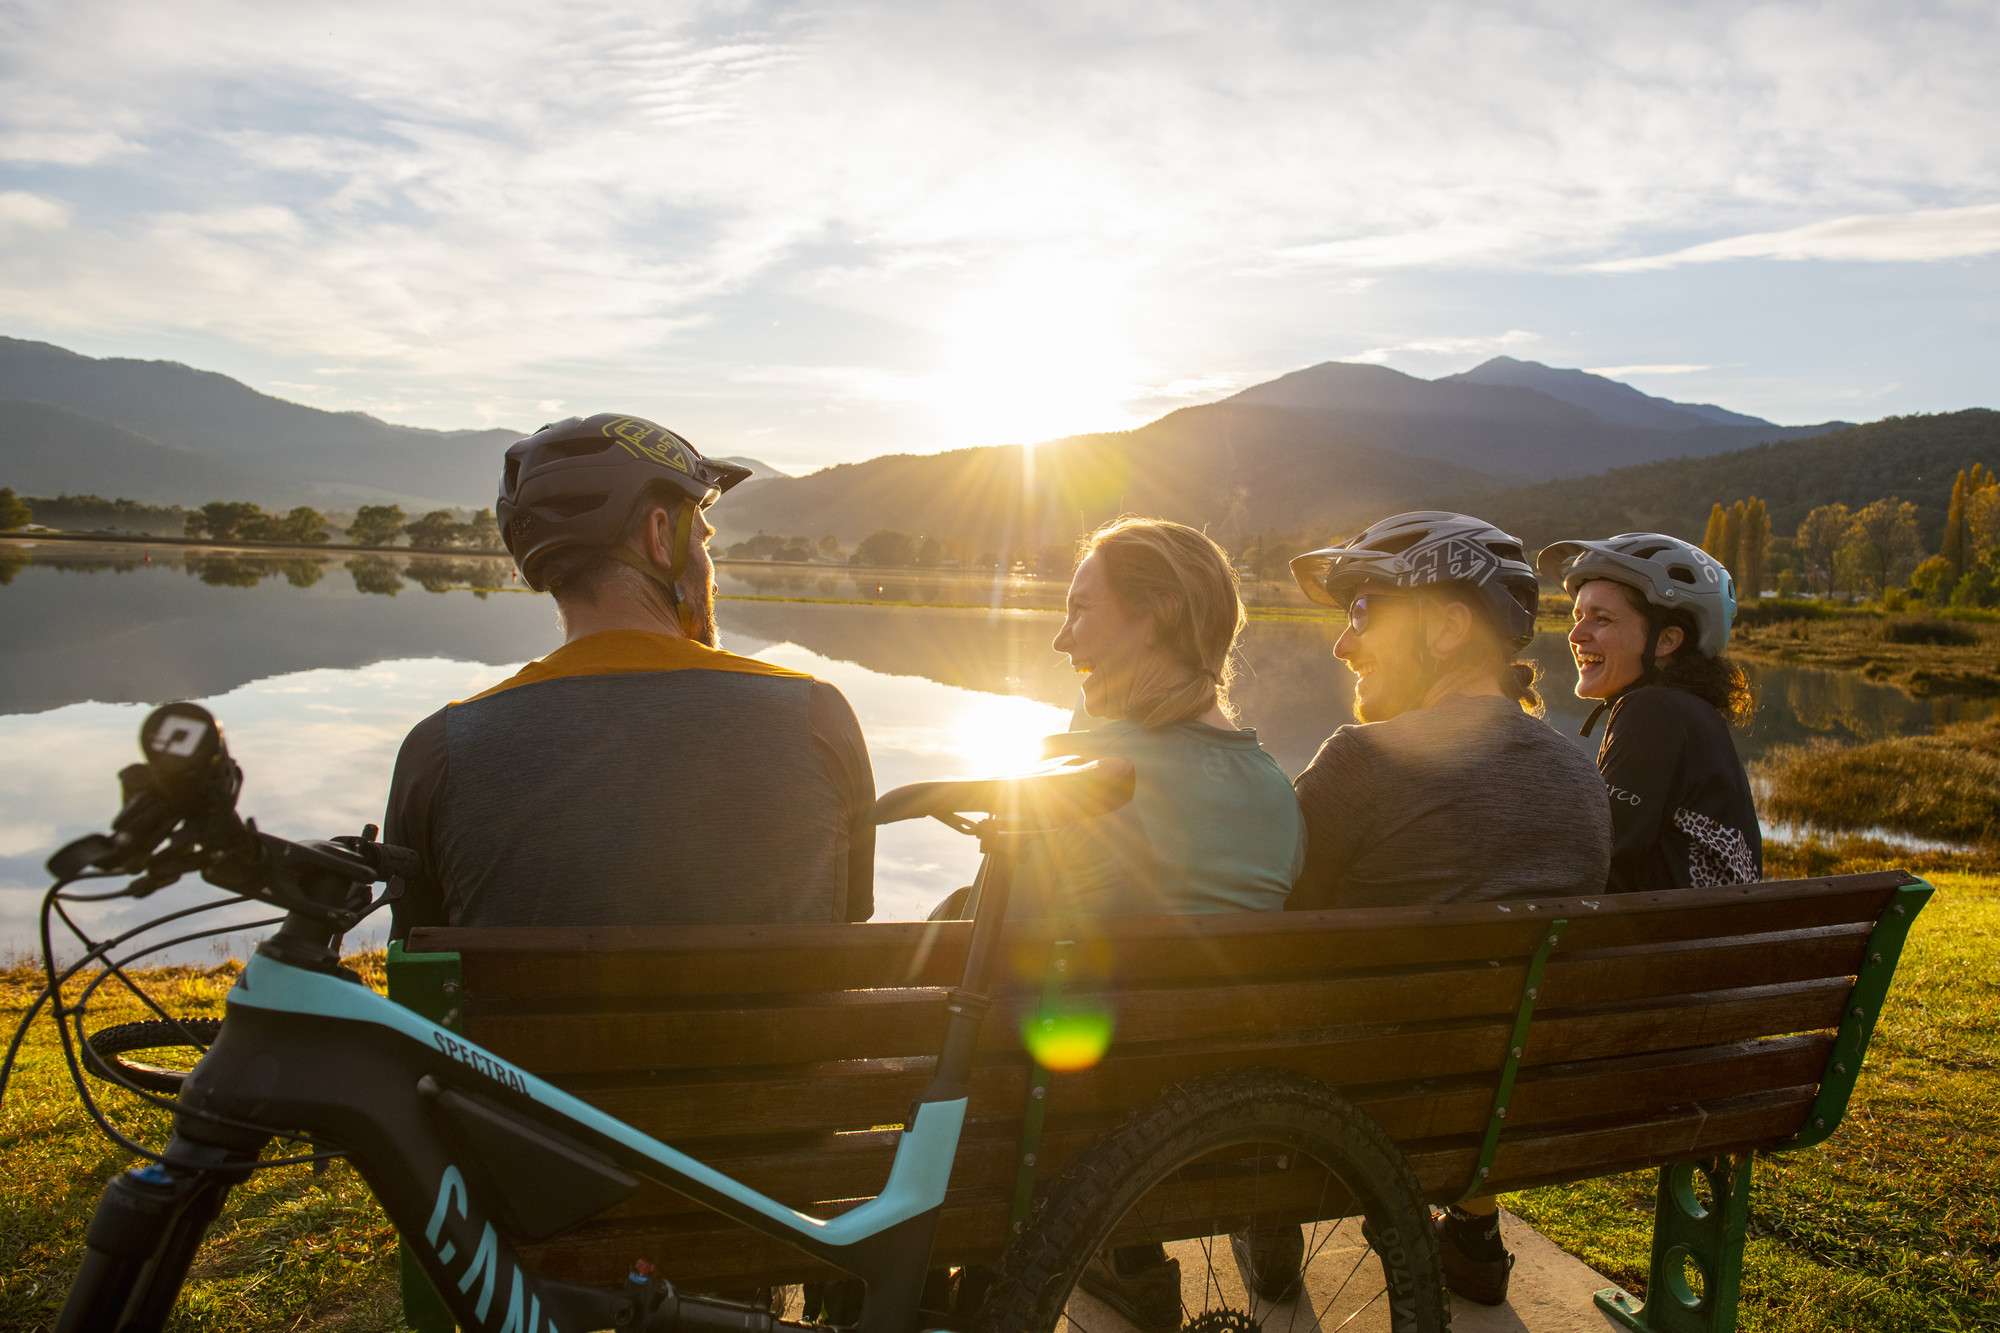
1890, 1226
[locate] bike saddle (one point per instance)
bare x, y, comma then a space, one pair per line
1048, 800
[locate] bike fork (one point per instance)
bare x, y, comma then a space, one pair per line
143, 1237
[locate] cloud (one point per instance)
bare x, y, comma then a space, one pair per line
476, 209
20, 209
1920, 237
1619, 372
1454, 347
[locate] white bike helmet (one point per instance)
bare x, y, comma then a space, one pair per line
1429, 547
1668, 572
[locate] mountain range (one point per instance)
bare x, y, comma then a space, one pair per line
1321, 449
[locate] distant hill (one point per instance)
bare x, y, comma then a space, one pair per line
1516, 423
46, 450
1320, 450
301, 454
1604, 397
758, 468
1914, 457
1234, 467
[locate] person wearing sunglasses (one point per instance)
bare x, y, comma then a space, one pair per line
1450, 788
638, 774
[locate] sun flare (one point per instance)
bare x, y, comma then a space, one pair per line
1039, 356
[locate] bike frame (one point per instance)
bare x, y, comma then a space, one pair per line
468, 1153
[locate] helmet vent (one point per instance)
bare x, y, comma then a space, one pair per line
1680, 574
569, 506
1508, 551
577, 448
1399, 543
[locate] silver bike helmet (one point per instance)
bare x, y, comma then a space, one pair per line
1669, 573
1425, 548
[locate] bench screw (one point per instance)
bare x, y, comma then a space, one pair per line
1028, 1160
1874, 957
451, 988
1819, 1124
1857, 1012
1552, 939
1898, 910
1839, 1068
1516, 1052
1500, 1114
1039, 1093
1062, 964
1482, 1173
1531, 992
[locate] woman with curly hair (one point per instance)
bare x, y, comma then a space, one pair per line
1652, 618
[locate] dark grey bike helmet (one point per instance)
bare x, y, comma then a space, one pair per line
1427, 548
1668, 572
574, 484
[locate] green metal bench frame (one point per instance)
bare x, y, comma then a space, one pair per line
1701, 1207
1697, 1269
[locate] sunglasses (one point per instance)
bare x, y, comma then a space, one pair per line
1358, 610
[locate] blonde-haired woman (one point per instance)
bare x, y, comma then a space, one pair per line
1213, 826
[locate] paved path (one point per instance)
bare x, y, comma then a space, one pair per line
1551, 1291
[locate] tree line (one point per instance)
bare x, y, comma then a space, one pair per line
1876, 551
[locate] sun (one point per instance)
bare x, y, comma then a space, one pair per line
1039, 355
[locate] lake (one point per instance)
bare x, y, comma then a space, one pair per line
317, 666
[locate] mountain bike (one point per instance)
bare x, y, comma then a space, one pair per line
470, 1155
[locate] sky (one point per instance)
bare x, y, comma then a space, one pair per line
819, 232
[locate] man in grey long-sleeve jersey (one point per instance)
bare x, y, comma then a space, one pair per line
637, 775
1450, 789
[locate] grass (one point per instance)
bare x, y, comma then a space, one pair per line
291, 1250
1893, 1226
1944, 785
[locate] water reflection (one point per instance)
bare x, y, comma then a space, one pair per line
319, 664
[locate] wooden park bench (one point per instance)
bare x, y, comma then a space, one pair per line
1501, 1045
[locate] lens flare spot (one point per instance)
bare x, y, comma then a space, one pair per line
1069, 1041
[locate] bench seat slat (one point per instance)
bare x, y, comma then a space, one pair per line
706, 1248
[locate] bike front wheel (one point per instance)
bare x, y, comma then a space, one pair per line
1253, 1200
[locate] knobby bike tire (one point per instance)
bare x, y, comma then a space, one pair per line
112, 1043
1187, 1130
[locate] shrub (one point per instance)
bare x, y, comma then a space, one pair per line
1921, 629
1945, 785
1778, 611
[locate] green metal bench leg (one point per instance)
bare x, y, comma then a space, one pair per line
423, 1309
1697, 1273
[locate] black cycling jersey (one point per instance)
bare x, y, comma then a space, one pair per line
1681, 811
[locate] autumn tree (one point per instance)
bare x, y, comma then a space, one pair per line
1820, 538
1883, 542
1753, 550
1713, 540
376, 525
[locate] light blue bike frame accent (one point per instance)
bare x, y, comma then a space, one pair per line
917, 1178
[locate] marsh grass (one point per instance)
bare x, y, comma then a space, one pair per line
1892, 1225
1945, 785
